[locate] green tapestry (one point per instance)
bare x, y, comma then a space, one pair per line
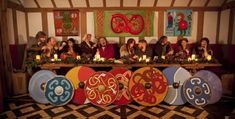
124, 23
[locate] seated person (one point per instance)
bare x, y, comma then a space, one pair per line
143, 49
127, 51
203, 49
70, 50
88, 47
39, 41
163, 48
183, 50
63, 47
50, 49
105, 49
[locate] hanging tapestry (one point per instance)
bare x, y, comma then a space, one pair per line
66, 22
178, 23
124, 23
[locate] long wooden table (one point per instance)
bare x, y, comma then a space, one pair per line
53, 66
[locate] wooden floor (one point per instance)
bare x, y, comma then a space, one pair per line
18, 108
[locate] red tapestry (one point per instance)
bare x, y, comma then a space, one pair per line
66, 22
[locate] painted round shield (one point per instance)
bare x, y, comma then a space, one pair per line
37, 85
197, 91
148, 86
78, 76
215, 84
101, 88
123, 76
59, 90
176, 76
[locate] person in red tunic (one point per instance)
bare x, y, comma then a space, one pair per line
105, 49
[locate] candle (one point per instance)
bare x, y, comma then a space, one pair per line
102, 59
196, 59
163, 57
78, 57
94, 59
193, 56
38, 57
140, 59
147, 60
209, 57
189, 59
55, 56
97, 56
52, 60
144, 57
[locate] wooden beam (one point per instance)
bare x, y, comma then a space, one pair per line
53, 2
189, 3
15, 26
27, 25
121, 3
15, 6
228, 5
104, 3
20, 2
138, 3
36, 2
207, 2
231, 24
200, 25
155, 3
218, 27
124, 8
5, 59
160, 23
172, 3
225, 1
44, 22
87, 3
83, 24
71, 3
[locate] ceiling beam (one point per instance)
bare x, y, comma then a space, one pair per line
207, 2
172, 3
189, 3
228, 5
36, 2
104, 3
20, 2
70, 3
125, 8
155, 3
138, 3
87, 3
53, 2
225, 1
15, 6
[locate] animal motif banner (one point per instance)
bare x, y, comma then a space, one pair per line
66, 22
178, 23
124, 23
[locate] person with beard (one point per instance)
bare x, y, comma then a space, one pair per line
50, 49
105, 49
143, 49
163, 48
